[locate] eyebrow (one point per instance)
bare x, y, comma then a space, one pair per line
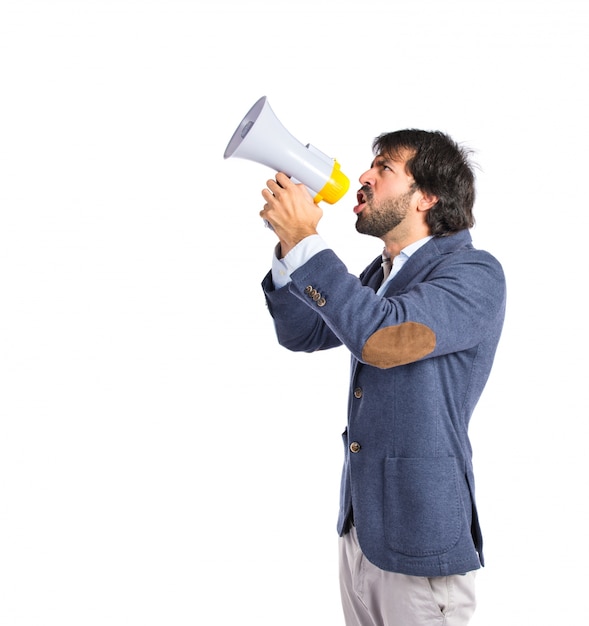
381, 160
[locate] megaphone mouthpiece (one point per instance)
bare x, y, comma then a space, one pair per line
260, 137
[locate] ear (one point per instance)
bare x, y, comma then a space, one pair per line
427, 201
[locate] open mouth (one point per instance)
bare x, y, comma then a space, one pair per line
362, 197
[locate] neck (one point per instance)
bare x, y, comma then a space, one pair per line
394, 245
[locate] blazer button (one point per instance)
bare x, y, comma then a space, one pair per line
358, 392
355, 447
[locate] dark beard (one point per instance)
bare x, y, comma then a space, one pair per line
382, 218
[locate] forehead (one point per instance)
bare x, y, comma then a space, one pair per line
398, 154
397, 157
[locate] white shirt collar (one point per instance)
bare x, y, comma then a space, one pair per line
402, 257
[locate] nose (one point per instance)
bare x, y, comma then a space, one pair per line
368, 177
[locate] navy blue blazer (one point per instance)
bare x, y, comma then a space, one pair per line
421, 354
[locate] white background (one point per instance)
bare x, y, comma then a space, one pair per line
162, 460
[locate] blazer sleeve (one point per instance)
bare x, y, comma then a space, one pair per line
450, 304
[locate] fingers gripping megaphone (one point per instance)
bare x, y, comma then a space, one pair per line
260, 137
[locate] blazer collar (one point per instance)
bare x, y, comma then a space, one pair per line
428, 253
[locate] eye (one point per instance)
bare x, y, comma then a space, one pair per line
381, 165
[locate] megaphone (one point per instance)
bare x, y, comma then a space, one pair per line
260, 137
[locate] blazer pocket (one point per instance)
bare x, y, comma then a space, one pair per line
422, 505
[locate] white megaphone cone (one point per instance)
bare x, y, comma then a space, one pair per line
260, 137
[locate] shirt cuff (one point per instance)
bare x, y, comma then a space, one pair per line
298, 256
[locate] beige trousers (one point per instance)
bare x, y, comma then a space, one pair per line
375, 597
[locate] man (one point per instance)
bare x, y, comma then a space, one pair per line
422, 342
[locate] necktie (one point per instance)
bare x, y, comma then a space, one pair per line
386, 265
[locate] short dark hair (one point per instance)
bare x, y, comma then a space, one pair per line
440, 167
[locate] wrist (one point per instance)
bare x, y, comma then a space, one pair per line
286, 245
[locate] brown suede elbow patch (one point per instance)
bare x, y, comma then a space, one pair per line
398, 345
